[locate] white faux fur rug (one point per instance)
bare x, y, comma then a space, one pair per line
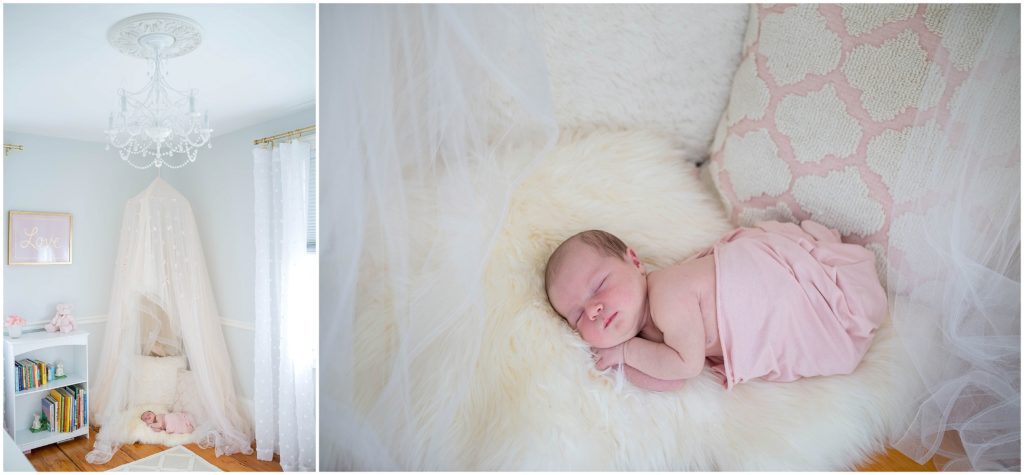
537, 403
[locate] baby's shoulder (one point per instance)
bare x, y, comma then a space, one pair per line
684, 277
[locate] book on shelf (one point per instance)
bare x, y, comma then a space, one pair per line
66, 408
31, 373
51, 406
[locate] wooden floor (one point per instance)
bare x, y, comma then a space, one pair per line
70, 457
895, 461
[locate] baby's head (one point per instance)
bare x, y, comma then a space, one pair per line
599, 286
148, 417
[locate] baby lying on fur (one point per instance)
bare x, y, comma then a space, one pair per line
777, 301
172, 422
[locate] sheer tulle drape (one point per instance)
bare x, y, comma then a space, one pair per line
423, 100
161, 274
285, 309
954, 276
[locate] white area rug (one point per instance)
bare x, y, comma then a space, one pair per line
537, 403
175, 459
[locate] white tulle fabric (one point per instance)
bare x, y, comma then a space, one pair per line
954, 276
421, 98
285, 309
162, 303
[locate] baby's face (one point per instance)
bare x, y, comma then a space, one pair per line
602, 297
148, 417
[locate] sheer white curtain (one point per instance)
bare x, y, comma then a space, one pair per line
286, 296
954, 276
422, 102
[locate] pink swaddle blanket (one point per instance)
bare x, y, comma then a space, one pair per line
793, 302
178, 423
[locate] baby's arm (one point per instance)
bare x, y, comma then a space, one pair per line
682, 354
641, 380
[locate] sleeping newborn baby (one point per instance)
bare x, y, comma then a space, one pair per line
172, 422
777, 301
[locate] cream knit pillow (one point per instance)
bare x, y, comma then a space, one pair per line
155, 379
822, 106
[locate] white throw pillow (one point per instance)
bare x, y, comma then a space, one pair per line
155, 380
657, 67
187, 396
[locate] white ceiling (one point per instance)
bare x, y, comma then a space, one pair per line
61, 76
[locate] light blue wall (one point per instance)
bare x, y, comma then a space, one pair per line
82, 178
92, 184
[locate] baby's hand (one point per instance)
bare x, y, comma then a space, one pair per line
609, 357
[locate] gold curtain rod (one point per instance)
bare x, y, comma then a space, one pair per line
286, 135
9, 146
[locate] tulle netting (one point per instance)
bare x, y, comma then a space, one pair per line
162, 304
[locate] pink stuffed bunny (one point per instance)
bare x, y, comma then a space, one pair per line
63, 320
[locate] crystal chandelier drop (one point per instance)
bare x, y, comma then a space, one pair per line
157, 125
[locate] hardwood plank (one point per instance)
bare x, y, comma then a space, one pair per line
257, 465
894, 461
140, 451
50, 458
227, 464
77, 448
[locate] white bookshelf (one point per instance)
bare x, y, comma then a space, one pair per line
20, 406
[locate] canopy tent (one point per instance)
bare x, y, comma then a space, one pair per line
162, 307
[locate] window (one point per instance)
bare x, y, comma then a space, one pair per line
311, 198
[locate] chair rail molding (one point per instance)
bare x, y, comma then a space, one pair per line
99, 319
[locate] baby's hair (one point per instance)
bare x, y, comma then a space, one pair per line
602, 241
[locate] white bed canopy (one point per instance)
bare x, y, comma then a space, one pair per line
162, 305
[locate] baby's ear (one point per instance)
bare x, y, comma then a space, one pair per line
631, 255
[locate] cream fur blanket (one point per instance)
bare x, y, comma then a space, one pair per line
537, 403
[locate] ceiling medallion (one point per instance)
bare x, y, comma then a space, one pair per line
157, 125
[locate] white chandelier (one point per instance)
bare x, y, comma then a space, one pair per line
157, 125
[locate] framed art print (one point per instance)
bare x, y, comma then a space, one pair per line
38, 238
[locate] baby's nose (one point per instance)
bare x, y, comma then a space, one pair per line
595, 311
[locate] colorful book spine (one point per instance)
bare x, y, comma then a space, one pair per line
48, 408
31, 373
26, 373
37, 379
68, 409
53, 414
58, 418
77, 402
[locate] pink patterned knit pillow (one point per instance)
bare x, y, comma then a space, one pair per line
822, 105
